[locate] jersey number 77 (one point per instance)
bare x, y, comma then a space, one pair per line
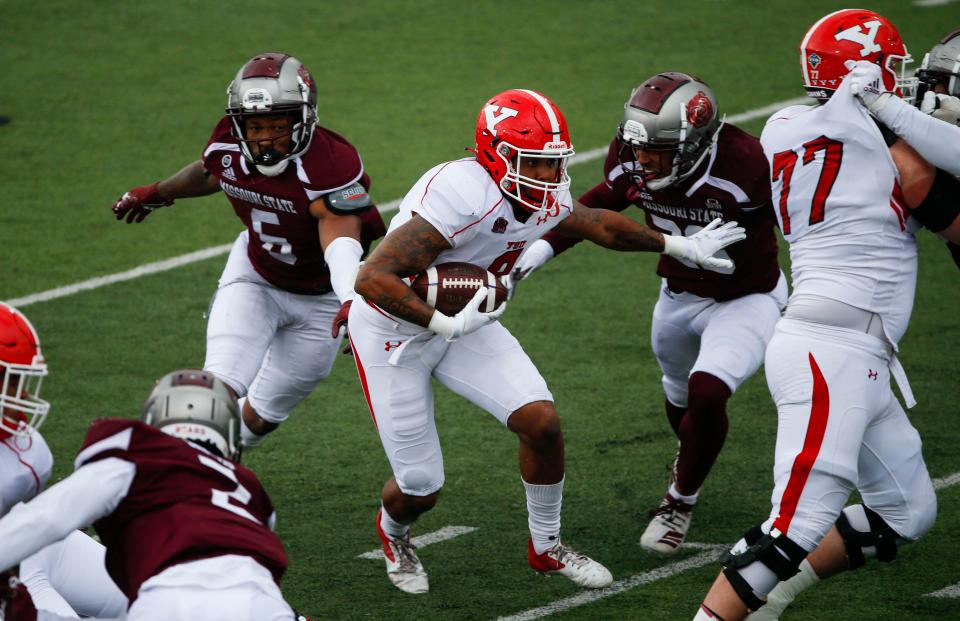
785, 161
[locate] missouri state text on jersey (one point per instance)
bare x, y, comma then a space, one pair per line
284, 244
184, 504
732, 184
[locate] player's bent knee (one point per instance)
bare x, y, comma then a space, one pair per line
419, 486
866, 535
758, 562
676, 390
536, 423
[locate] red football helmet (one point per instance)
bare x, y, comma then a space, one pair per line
22, 370
853, 34
519, 124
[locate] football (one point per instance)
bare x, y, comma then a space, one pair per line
448, 287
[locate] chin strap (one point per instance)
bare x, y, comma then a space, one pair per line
274, 169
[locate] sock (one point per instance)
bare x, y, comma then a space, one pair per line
248, 439
702, 430
393, 528
690, 499
784, 593
543, 510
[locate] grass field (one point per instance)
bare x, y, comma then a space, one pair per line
107, 95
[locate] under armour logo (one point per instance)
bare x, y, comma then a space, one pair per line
872, 374
388, 345
493, 118
867, 40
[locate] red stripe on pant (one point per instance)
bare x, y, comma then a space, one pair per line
363, 382
816, 428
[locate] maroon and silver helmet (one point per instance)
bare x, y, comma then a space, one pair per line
269, 84
669, 112
195, 405
941, 65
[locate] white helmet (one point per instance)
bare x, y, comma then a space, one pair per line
268, 84
669, 112
195, 405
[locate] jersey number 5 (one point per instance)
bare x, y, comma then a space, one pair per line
784, 163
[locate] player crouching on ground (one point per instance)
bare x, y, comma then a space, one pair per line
188, 530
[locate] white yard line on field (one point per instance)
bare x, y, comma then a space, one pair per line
206, 253
447, 532
926, 3
709, 553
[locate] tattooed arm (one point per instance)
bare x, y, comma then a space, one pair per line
406, 251
609, 229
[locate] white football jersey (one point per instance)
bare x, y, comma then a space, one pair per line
25, 465
835, 192
460, 200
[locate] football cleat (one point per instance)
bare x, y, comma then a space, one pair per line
669, 526
583, 570
403, 565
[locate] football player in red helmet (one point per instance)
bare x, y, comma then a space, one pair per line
483, 210
831, 359
22, 369
302, 193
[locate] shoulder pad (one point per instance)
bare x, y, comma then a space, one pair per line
349, 200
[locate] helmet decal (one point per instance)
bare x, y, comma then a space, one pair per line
814, 60
867, 40
699, 110
493, 118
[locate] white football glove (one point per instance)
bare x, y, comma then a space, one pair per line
866, 83
941, 106
702, 245
533, 257
467, 320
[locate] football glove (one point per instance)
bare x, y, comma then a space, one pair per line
340, 322
139, 203
941, 106
467, 320
866, 83
535, 256
702, 245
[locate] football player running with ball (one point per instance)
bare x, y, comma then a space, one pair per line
301, 191
849, 197
675, 158
188, 531
482, 210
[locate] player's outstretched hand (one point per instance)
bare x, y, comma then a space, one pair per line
702, 245
139, 203
941, 106
467, 320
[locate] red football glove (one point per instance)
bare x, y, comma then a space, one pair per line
138, 203
15, 601
340, 321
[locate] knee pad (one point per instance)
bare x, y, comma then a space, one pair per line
774, 551
865, 535
676, 390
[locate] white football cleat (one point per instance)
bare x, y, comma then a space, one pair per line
403, 565
582, 570
669, 526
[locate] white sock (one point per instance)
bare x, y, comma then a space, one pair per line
393, 528
248, 439
689, 500
543, 511
784, 593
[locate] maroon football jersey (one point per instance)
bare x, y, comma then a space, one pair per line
184, 504
284, 244
734, 184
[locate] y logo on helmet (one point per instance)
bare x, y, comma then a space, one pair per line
867, 40
495, 114
699, 110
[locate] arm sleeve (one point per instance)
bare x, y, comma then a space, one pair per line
343, 259
85, 496
938, 142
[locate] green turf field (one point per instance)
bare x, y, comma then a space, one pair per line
103, 96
